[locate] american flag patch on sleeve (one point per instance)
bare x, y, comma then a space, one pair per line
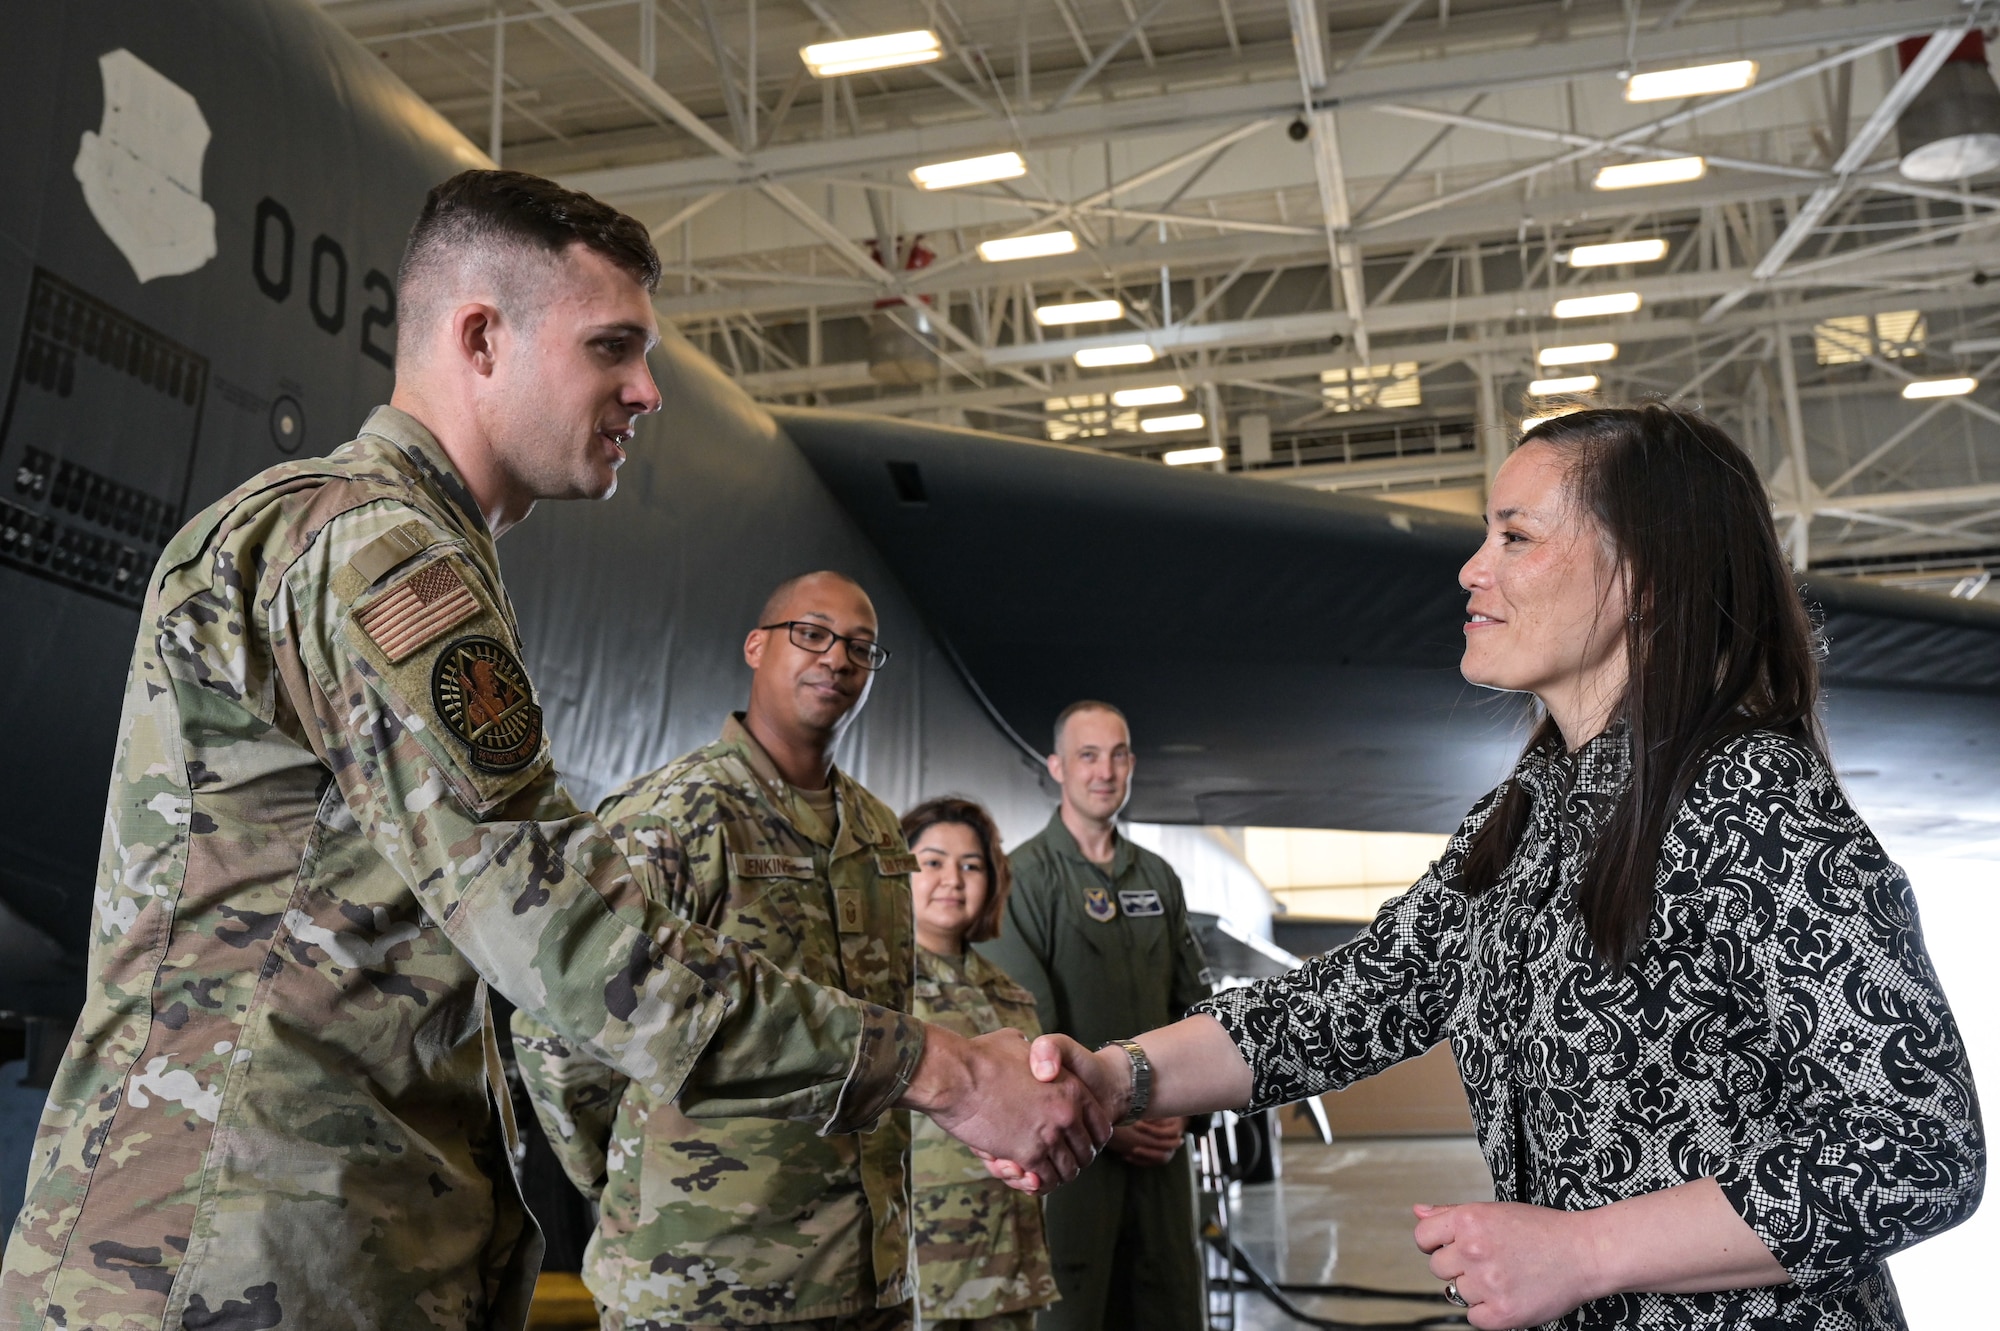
417, 609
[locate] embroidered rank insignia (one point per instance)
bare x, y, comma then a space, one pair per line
890, 863
482, 696
418, 610
847, 902
1141, 904
771, 866
1097, 904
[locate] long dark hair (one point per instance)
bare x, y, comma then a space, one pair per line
999, 876
1718, 642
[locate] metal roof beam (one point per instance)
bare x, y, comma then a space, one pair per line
1883, 119
629, 78
1925, 265
1635, 332
1564, 212
1329, 170
1519, 65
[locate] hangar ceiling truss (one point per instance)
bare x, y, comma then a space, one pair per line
1340, 227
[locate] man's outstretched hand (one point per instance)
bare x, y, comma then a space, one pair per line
1059, 1060
1045, 1128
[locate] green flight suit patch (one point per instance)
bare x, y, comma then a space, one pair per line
1098, 905
482, 696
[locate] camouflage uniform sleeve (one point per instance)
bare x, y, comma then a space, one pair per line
435, 743
575, 1097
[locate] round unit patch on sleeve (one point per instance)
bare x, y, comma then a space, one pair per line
482, 696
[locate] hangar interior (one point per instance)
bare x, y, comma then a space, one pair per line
1315, 244
1332, 237
1340, 231
1329, 249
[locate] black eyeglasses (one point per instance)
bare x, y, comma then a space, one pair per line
817, 638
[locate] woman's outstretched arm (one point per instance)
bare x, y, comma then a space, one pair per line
1196, 1069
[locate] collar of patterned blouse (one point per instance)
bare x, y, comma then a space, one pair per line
1601, 767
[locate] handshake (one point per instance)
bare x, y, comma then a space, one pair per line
1036, 1113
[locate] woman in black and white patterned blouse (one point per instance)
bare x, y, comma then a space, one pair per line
1710, 1064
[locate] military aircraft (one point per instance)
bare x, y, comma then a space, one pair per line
205, 203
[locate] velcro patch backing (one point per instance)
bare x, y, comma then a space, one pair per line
391, 548
418, 610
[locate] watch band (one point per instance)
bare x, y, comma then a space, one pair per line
1142, 1080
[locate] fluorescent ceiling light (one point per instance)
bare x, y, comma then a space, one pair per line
1137, 353
1662, 171
970, 171
1583, 307
1958, 387
1621, 251
1187, 420
1188, 457
828, 60
1694, 81
1574, 383
1584, 353
1160, 395
1038, 246
1079, 312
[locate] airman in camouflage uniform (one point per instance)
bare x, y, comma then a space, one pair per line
333, 821
743, 1220
982, 1260
283, 1078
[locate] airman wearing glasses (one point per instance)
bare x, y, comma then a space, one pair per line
748, 1221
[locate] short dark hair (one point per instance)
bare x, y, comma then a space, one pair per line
969, 813
475, 207
511, 229
1085, 705
774, 604
1718, 641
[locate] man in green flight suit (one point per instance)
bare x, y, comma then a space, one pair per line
746, 1222
333, 822
1097, 930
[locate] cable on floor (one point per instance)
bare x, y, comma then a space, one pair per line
1278, 1294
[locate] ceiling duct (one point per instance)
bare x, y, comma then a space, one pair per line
1951, 129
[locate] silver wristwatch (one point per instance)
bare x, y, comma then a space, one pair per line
1142, 1081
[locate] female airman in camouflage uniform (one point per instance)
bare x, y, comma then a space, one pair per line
982, 1261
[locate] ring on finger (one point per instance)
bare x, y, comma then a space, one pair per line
1453, 1297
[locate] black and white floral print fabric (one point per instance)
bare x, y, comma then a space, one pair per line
1781, 1030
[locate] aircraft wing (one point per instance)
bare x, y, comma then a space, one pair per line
1289, 657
